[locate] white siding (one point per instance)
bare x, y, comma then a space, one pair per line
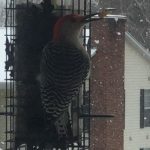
137, 71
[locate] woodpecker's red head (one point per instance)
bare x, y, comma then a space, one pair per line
65, 24
70, 26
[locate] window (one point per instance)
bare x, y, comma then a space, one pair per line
144, 148
145, 108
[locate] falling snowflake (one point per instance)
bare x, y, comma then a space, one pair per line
97, 41
141, 20
118, 33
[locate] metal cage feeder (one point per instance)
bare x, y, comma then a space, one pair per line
22, 66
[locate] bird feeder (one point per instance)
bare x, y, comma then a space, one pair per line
28, 30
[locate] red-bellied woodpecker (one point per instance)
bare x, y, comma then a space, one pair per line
65, 65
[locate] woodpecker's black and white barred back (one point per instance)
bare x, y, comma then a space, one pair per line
63, 70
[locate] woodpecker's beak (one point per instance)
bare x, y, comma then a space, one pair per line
97, 16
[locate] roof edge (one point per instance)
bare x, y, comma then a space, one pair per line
142, 50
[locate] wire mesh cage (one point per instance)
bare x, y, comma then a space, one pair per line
28, 25
10, 83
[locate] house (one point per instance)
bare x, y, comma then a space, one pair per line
137, 96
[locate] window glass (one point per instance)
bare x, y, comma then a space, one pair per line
147, 99
147, 108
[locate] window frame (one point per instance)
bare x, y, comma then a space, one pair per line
142, 109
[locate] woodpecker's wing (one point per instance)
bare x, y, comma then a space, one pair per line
64, 65
63, 69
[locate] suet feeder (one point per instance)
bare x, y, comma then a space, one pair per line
29, 26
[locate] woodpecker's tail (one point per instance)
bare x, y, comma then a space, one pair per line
64, 130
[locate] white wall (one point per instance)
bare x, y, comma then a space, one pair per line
137, 71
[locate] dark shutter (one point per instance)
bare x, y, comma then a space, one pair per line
141, 148
142, 108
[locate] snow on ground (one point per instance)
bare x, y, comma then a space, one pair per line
2, 54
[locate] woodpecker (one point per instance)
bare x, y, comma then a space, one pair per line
65, 64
